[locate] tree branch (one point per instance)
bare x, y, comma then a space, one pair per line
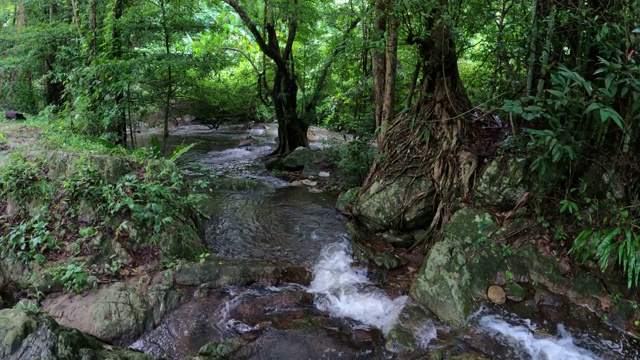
266, 49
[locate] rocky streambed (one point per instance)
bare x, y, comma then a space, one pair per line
281, 281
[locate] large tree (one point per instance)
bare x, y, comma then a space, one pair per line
430, 142
292, 131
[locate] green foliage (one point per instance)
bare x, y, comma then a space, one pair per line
24, 180
29, 240
614, 239
355, 159
73, 276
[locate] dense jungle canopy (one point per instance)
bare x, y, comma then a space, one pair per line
440, 86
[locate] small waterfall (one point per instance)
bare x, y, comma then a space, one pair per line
344, 291
523, 338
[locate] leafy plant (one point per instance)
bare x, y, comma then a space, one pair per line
73, 277
614, 240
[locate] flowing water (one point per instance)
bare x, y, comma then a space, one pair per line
340, 314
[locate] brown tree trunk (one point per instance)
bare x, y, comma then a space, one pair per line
425, 142
384, 62
54, 89
292, 130
120, 125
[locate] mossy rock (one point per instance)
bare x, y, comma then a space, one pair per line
347, 200
502, 184
382, 206
118, 312
222, 349
25, 335
457, 270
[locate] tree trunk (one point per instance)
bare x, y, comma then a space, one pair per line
292, 130
120, 125
54, 89
427, 141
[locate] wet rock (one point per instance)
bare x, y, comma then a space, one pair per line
308, 182
308, 344
398, 239
239, 184
496, 294
118, 312
383, 205
246, 142
302, 158
470, 356
515, 292
413, 331
450, 280
24, 335
324, 174
546, 298
502, 184
225, 273
297, 183
621, 313
280, 309
316, 191
222, 349
347, 199
296, 275
389, 261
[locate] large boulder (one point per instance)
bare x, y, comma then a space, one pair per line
118, 312
25, 335
302, 158
502, 183
449, 280
460, 270
402, 203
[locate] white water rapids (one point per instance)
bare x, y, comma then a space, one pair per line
345, 291
342, 291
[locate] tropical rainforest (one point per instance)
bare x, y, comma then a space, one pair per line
503, 132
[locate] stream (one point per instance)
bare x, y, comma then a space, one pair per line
341, 314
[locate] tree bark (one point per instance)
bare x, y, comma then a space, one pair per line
425, 141
120, 126
292, 130
384, 63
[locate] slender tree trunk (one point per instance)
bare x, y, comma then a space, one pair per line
414, 82
532, 46
120, 126
378, 64
54, 89
167, 48
384, 63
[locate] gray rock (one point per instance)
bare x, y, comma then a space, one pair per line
383, 205
451, 280
119, 312
501, 184
25, 335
